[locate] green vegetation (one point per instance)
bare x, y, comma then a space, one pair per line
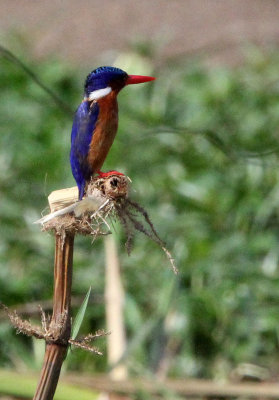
26, 385
201, 147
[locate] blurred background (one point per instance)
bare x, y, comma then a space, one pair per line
201, 146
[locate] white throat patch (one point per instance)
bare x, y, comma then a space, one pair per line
98, 94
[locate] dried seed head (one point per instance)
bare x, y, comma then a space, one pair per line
112, 187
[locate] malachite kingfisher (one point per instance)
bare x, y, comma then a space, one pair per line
96, 121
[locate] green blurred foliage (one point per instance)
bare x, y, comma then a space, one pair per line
201, 146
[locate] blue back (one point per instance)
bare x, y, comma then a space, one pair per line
82, 132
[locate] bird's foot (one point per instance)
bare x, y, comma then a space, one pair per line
109, 173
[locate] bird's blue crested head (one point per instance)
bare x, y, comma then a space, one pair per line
100, 82
103, 77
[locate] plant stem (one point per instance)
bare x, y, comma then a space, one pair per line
56, 352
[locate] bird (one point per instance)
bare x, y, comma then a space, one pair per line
96, 121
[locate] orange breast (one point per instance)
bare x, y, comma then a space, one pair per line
105, 131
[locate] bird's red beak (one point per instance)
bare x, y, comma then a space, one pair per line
132, 79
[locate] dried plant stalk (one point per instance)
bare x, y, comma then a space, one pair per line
105, 198
56, 351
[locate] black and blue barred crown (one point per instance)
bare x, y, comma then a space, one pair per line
104, 76
112, 70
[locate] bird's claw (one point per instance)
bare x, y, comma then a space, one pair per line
108, 174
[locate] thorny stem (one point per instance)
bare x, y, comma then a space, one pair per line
56, 352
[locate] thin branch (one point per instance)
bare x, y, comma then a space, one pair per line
15, 60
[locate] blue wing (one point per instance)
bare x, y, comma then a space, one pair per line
82, 132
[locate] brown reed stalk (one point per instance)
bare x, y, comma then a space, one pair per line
88, 218
56, 350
